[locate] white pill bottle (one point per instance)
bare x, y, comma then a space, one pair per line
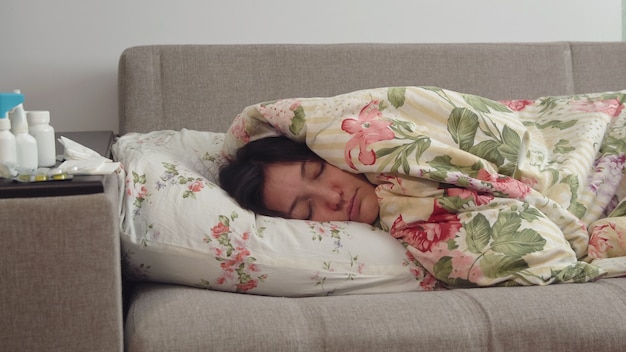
39, 127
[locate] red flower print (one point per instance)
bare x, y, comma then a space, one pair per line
598, 242
235, 258
429, 283
196, 186
367, 129
246, 286
441, 226
505, 184
517, 105
219, 230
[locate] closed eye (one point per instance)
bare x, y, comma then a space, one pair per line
321, 170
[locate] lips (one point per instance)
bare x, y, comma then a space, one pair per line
353, 210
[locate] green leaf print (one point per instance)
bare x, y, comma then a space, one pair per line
577, 272
556, 124
444, 167
511, 144
443, 269
171, 168
141, 179
530, 214
517, 244
479, 234
504, 255
495, 265
396, 96
224, 220
620, 210
400, 154
488, 150
563, 147
575, 206
453, 204
298, 121
548, 103
507, 222
613, 145
462, 125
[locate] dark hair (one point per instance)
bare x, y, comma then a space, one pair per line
243, 178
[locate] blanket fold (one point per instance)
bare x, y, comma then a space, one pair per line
482, 192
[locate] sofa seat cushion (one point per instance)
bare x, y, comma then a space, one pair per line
538, 318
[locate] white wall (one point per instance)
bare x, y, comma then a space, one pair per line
63, 54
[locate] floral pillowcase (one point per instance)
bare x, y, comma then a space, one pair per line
178, 226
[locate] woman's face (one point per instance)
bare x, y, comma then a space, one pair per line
318, 191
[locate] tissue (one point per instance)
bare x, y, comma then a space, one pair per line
81, 160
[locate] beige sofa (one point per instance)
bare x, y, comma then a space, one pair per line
61, 276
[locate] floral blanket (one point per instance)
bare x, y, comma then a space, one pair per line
482, 192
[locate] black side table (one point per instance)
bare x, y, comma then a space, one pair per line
99, 141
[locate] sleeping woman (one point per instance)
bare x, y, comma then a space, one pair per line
483, 193
277, 176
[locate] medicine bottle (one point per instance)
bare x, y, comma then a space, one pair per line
8, 147
27, 158
39, 127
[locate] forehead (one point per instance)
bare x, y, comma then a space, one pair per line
283, 183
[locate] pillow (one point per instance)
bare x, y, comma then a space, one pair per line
178, 226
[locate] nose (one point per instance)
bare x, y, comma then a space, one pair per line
331, 197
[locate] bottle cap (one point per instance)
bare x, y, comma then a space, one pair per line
8, 101
35, 116
18, 120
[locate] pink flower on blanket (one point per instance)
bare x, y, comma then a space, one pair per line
611, 107
427, 281
599, 242
280, 113
517, 105
238, 129
607, 240
440, 226
367, 129
504, 184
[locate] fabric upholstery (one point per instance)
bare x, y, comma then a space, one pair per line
176, 86
489, 319
60, 273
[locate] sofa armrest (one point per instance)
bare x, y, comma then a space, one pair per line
60, 272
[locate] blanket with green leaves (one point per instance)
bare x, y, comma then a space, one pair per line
481, 192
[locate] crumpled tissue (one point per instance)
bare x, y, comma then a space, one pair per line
81, 160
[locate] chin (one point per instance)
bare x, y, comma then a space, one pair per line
370, 216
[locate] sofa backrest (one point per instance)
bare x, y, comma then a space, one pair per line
204, 86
